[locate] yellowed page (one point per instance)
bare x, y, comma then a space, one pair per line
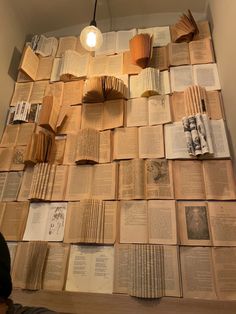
66, 43
56, 266
72, 121
110, 222
194, 225
162, 224
6, 154
214, 105
60, 183
14, 220
151, 142
197, 273
72, 93
178, 53
201, 51
172, 274
159, 58
22, 91
114, 65
29, 63
177, 106
38, 92
12, 186
219, 179
188, 179
3, 179
79, 182
87, 146
113, 114
137, 112
25, 133
125, 143
55, 90
44, 68
105, 146
17, 162
26, 184
224, 260
121, 268
104, 183
58, 149
70, 149
98, 66
133, 222
92, 116
222, 217
159, 109
10, 135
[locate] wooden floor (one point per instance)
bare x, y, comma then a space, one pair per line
85, 303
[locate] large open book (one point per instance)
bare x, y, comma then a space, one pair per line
207, 223
46, 222
90, 269
91, 221
147, 271
151, 179
151, 221
143, 142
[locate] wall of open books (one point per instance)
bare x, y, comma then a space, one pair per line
116, 177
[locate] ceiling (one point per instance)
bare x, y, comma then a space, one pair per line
47, 15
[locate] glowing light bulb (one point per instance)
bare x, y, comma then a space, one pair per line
91, 38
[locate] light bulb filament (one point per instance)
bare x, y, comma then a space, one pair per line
91, 39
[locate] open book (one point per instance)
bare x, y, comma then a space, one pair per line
143, 142
90, 269
28, 265
91, 221
207, 223
208, 273
147, 271
151, 179
151, 221
148, 111
160, 35
12, 158
106, 65
9, 185
46, 222
208, 179
44, 46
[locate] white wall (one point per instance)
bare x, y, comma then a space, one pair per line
222, 15
12, 35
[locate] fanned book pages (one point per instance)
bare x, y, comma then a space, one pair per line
90, 269
160, 35
98, 89
184, 29
28, 265
150, 178
141, 49
147, 271
46, 222
91, 221
207, 223
88, 142
151, 221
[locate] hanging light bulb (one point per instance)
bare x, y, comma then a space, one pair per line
91, 37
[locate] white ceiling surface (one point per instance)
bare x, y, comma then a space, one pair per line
42, 16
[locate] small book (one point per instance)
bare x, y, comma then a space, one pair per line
141, 49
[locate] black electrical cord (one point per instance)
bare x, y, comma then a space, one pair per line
93, 22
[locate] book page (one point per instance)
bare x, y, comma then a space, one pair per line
22, 91
151, 142
87, 150
219, 179
197, 273
204, 30
72, 93
90, 269
44, 69
114, 65
177, 106
26, 184
92, 116
164, 87
201, 51
98, 66
131, 179
159, 179
14, 220
108, 46
3, 179
12, 186
10, 135
29, 63
55, 267
72, 121
219, 139
76, 190
175, 142
125, 143
162, 224
214, 105
188, 179
121, 268
133, 222
123, 38
159, 59
113, 114
137, 112
194, 225
74, 223
178, 53
159, 109
55, 90
110, 222
128, 66
59, 183
223, 223
172, 274
6, 154
181, 77
70, 149
26, 131
73, 65
47, 46
206, 75
56, 221
56, 69
66, 43
12, 247
38, 92
134, 87
224, 260
104, 182
161, 35
17, 161
105, 146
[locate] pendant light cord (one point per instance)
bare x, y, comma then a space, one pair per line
94, 11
